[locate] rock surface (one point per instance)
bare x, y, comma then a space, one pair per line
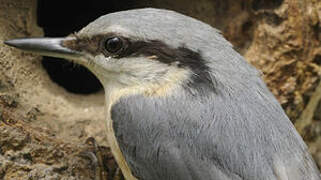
43, 128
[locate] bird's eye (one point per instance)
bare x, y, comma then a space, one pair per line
113, 45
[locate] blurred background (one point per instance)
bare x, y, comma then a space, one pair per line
49, 108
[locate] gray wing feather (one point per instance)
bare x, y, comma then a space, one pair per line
239, 131
154, 147
244, 136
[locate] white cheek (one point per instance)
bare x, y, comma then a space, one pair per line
131, 71
134, 66
102, 61
100, 65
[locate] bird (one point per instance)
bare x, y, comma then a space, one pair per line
181, 102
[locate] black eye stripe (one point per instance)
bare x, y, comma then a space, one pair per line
132, 47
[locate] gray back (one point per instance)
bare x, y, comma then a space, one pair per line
238, 131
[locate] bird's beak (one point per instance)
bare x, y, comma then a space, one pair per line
45, 46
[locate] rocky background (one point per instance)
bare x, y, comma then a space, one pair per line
45, 130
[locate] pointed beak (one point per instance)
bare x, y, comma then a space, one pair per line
45, 46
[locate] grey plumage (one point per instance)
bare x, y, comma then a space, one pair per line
239, 133
233, 129
219, 137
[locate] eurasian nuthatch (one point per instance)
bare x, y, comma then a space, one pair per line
181, 103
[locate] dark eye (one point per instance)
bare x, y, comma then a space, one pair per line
113, 45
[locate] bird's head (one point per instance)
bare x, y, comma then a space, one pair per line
145, 50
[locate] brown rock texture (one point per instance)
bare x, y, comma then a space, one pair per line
43, 128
